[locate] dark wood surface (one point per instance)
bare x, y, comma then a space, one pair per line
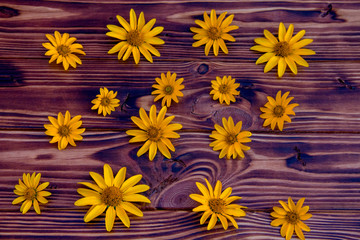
317, 156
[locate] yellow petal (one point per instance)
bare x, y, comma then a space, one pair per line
212, 221
132, 209
205, 216
281, 66
96, 211
98, 179
136, 198
110, 218
130, 182
282, 32
271, 63
120, 212
108, 175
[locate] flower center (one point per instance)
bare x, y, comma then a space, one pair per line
214, 33
30, 194
282, 49
216, 205
231, 139
168, 90
279, 111
64, 131
105, 102
63, 50
134, 38
111, 196
223, 88
292, 217
154, 134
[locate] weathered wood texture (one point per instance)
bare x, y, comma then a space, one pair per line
317, 156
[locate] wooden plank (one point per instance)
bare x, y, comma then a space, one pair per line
316, 166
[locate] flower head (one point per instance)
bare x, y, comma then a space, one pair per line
64, 130
113, 194
217, 204
224, 89
276, 111
291, 217
105, 102
284, 50
30, 192
136, 37
213, 32
155, 132
230, 139
168, 88
62, 49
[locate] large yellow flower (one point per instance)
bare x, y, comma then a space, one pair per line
284, 51
230, 139
155, 132
136, 37
30, 192
224, 89
217, 204
64, 130
168, 88
105, 102
113, 194
276, 111
62, 49
213, 32
291, 217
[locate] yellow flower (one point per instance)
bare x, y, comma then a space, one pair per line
168, 88
113, 194
291, 217
105, 102
276, 111
217, 204
136, 37
155, 132
30, 192
62, 48
284, 51
224, 89
213, 32
64, 130
230, 139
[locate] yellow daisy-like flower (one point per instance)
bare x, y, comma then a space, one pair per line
62, 49
284, 51
291, 217
276, 111
217, 204
213, 32
64, 130
224, 89
230, 139
105, 102
113, 194
168, 88
30, 192
136, 37
155, 132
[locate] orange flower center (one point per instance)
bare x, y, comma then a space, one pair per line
105, 101
64, 131
223, 88
279, 111
216, 205
168, 90
30, 194
292, 217
231, 139
154, 134
63, 50
214, 33
111, 196
282, 49
134, 38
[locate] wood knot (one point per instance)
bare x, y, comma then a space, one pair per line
7, 12
326, 11
203, 68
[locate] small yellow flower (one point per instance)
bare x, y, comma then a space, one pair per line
224, 89
105, 102
213, 32
168, 88
113, 194
31, 193
217, 204
276, 111
62, 49
136, 37
284, 51
291, 217
155, 132
230, 139
64, 130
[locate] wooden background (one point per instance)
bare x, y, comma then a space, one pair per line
317, 156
